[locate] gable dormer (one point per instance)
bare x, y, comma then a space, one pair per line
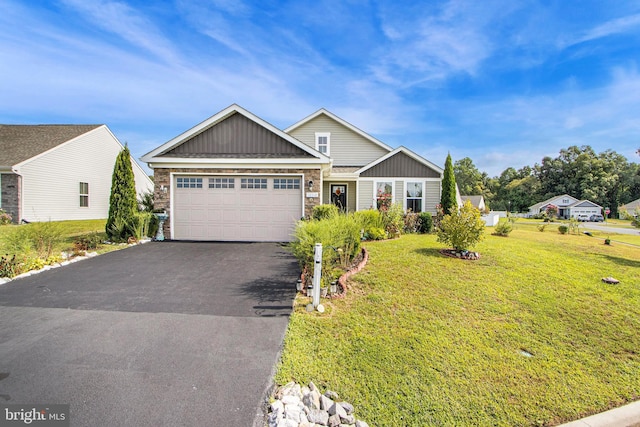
344, 143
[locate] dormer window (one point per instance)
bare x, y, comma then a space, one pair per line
323, 141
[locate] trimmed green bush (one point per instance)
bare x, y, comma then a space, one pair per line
370, 223
462, 228
503, 228
563, 229
425, 222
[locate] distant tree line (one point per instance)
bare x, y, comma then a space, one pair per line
607, 179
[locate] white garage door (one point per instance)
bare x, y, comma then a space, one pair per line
236, 208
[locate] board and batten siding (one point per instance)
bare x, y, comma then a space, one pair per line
236, 135
51, 181
347, 148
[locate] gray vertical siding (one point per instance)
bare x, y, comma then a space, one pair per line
347, 148
236, 135
400, 166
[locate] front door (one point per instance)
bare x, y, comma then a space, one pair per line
339, 196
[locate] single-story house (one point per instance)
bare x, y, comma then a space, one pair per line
630, 208
235, 177
59, 172
476, 201
568, 207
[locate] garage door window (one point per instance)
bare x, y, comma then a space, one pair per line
189, 183
259, 183
222, 182
286, 184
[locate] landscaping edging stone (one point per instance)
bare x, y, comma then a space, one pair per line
302, 406
67, 261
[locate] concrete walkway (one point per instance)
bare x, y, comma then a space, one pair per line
625, 416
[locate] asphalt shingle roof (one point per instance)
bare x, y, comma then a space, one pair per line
22, 142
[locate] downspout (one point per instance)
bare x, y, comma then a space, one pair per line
20, 195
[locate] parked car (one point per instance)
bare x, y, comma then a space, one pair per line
582, 217
596, 218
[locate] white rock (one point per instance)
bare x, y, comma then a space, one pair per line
360, 423
293, 412
338, 410
291, 400
325, 403
317, 416
277, 407
348, 407
287, 423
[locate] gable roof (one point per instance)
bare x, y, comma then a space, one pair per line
342, 122
19, 143
475, 200
405, 151
169, 150
584, 204
546, 202
635, 204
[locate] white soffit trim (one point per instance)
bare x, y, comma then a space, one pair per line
342, 122
150, 157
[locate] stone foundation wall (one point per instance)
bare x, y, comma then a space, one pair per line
10, 195
162, 185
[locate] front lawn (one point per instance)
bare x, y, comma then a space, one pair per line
527, 335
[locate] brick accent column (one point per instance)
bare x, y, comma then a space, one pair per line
10, 191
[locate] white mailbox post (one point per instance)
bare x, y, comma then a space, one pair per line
317, 275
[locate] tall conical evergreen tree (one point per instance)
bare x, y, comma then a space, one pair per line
448, 199
123, 203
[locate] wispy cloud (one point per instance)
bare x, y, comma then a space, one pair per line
125, 21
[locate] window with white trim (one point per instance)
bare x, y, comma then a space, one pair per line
189, 182
84, 194
222, 182
286, 184
384, 194
257, 183
323, 142
414, 196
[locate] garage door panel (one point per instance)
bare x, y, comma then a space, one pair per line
236, 214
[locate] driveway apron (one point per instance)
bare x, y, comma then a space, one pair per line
171, 333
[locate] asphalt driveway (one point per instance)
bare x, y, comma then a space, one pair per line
171, 333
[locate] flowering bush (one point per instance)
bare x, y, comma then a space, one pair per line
5, 218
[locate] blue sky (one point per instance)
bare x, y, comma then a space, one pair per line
502, 82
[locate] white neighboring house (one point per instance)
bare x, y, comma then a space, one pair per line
568, 207
476, 201
630, 207
60, 172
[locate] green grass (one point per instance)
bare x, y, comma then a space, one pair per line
70, 231
424, 339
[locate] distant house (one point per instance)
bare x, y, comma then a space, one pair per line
476, 201
630, 207
568, 207
59, 172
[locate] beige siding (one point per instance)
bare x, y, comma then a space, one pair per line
351, 193
432, 197
347, 148
365, 195
51, 182
399, 192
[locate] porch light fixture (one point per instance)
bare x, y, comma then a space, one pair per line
310, 184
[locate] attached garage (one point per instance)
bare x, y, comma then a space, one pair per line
236, 207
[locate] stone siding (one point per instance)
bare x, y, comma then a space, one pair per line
10, 193
162, 185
